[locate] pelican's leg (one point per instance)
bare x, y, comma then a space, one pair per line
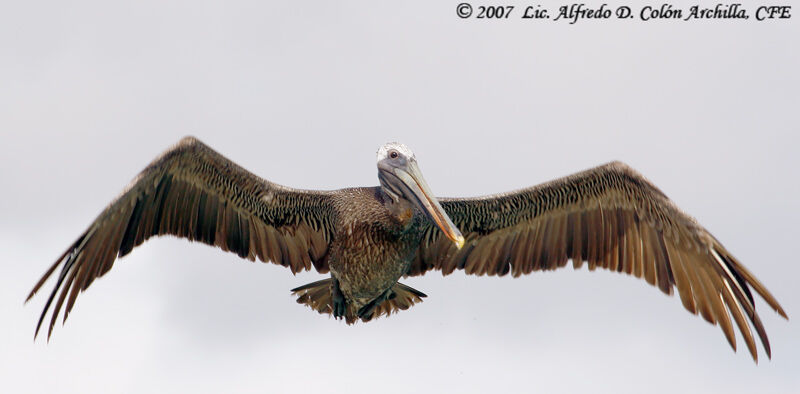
337, 298
365, 313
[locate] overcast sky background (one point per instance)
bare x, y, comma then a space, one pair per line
303, 95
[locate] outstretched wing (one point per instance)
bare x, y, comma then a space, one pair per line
194, 192
610, 217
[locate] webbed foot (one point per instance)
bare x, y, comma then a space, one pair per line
366, 312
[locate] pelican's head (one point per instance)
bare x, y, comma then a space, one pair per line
401, 178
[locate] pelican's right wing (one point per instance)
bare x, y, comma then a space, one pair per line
193, 192
613, 218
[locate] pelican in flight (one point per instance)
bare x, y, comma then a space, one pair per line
370, 237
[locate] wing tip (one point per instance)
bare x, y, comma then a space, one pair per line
30, 296
781, 312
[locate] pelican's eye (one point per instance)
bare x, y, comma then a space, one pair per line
393, 154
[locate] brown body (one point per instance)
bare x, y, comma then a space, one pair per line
368, 238
373, 246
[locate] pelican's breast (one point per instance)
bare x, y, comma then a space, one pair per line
373, 247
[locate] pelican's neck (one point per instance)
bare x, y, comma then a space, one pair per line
399, 208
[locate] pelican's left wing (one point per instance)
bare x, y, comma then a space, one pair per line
193, 192
612, 218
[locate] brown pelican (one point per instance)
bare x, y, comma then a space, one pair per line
370, 237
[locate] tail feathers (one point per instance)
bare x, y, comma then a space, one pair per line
317, 296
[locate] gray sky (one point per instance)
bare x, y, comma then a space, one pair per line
303, 95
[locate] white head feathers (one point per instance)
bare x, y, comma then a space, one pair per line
383, 152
